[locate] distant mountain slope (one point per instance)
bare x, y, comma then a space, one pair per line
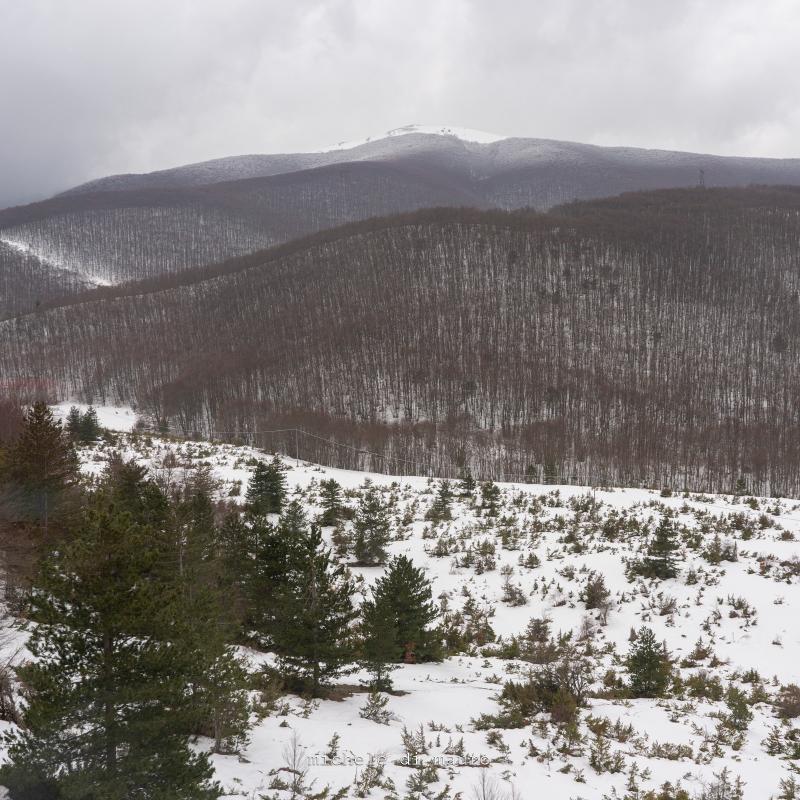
652, 337
135, 226
113, 237
554, 171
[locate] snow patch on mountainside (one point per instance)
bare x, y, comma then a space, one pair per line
23, 248
114, 418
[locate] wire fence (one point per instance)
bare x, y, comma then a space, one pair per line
332, 452
407, 466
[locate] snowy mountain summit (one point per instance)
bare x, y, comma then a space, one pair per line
464, 134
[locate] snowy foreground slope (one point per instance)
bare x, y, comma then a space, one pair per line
532, 561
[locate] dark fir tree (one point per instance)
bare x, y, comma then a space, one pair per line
72, 424
206, 614
490, 497
370, 528
128, 485
266, 492
195, 536
467, 485
407, 592
82, 428
89, 429
277, 555
224, 703
550, 472
237, 545
217, 683
380, 650
313, 633
42, 467
440, 508
330, 498
660, 559
648, 666
107, 711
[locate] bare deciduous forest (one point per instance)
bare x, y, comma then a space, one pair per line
650, 338
131, 227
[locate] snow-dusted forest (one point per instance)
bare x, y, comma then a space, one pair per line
399, 401
545, 597
649, 339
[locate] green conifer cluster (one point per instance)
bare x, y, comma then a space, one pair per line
141, 594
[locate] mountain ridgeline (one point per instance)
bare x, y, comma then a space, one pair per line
648, 338
131, 227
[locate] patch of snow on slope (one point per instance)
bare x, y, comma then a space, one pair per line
26, 250
112, 417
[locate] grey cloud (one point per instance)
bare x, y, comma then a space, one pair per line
92, 87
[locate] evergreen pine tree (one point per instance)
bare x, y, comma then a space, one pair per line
130, 488
266, 492
42, 467
237, 545
379, 650
217, 682
277, 555
195, 535
72, 424
467, 485
371, 528
407, 592
107, 711
89, 428
330, 494
312, 632
490, 497
224, 703
550, 472
660, 560
440, 509
648, 665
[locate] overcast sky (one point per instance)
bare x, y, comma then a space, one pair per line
93, 87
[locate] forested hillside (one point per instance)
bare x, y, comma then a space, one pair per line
647, 338
111, 237
131, 227
27, 280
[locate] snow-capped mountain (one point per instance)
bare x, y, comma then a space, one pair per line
464, 134
129, 227
479, 155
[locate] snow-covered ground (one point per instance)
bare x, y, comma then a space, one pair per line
540, 549
111, 417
